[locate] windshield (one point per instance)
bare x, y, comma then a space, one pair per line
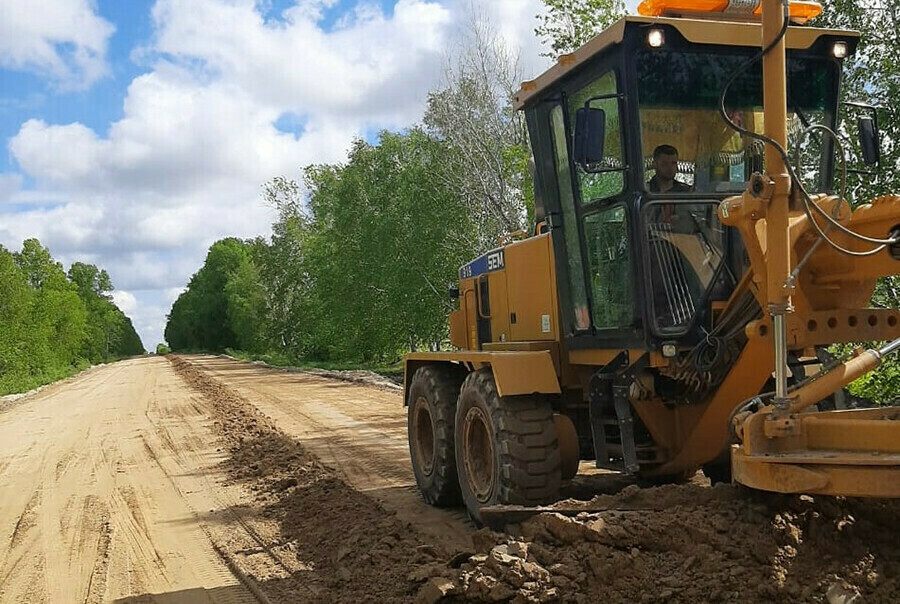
686, 245
686, 145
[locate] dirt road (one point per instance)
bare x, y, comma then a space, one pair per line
102, 482
357, 429
203, 479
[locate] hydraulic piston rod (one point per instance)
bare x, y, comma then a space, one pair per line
778, 257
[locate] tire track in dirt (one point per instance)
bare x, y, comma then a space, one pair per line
27, 520
91, 514
358, 430
348, 546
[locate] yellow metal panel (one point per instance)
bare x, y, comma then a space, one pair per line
531, 290
515, 372
842, 325
468, 303
458, 331
525, 373
847, 480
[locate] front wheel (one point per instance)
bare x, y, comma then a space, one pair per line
506, 449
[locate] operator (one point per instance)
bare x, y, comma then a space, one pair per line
665, 163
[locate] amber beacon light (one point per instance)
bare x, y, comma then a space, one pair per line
801, 11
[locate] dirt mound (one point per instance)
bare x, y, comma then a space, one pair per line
681, 543
692, 544
349, 548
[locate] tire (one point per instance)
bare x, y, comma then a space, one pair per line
506, 449
430, 424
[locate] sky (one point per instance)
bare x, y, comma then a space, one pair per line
138, 132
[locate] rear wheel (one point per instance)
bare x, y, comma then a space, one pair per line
506, 449
430, 423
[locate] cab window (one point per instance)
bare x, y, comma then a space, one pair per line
607, 177
687, 146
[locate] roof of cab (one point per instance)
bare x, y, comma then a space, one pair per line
698, 31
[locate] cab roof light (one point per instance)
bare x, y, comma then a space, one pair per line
801, 10
839, 50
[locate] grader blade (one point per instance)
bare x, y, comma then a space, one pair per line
853, 453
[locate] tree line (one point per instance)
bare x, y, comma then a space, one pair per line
360, 258
53, 323
362, 252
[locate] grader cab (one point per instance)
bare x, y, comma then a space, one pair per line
694, 261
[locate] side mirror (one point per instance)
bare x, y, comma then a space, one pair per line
867, 149
590, 134
868, 141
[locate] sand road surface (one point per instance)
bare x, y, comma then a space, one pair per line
204, 479
103, 480
358, 429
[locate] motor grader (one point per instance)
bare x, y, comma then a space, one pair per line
658, 330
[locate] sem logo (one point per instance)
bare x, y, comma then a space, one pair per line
495, 260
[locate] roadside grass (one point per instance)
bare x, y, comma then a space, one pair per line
17, 383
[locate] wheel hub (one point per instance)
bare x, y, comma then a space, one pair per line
478, 450
424, 436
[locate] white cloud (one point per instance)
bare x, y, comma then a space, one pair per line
370, 68
9, 185
124, 300
63, 39
197, 137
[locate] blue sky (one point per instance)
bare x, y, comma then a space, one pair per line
137, 132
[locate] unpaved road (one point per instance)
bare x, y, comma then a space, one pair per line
102, 484
359, 430
132, 483
203, 479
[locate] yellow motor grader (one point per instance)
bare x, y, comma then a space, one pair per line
694, 261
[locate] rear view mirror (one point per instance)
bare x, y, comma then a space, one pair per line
863, 153
868, 141
590, 134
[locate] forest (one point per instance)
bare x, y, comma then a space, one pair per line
357, 268
56, 323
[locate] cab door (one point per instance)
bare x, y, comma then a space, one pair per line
590, 216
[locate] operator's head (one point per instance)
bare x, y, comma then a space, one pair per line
665, 162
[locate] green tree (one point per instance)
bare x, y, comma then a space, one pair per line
16, 298
110, 334
50, 325
567, 24
486, 139
873, 76
358, 271
199, 319
58, 317
384, 245
245, 303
